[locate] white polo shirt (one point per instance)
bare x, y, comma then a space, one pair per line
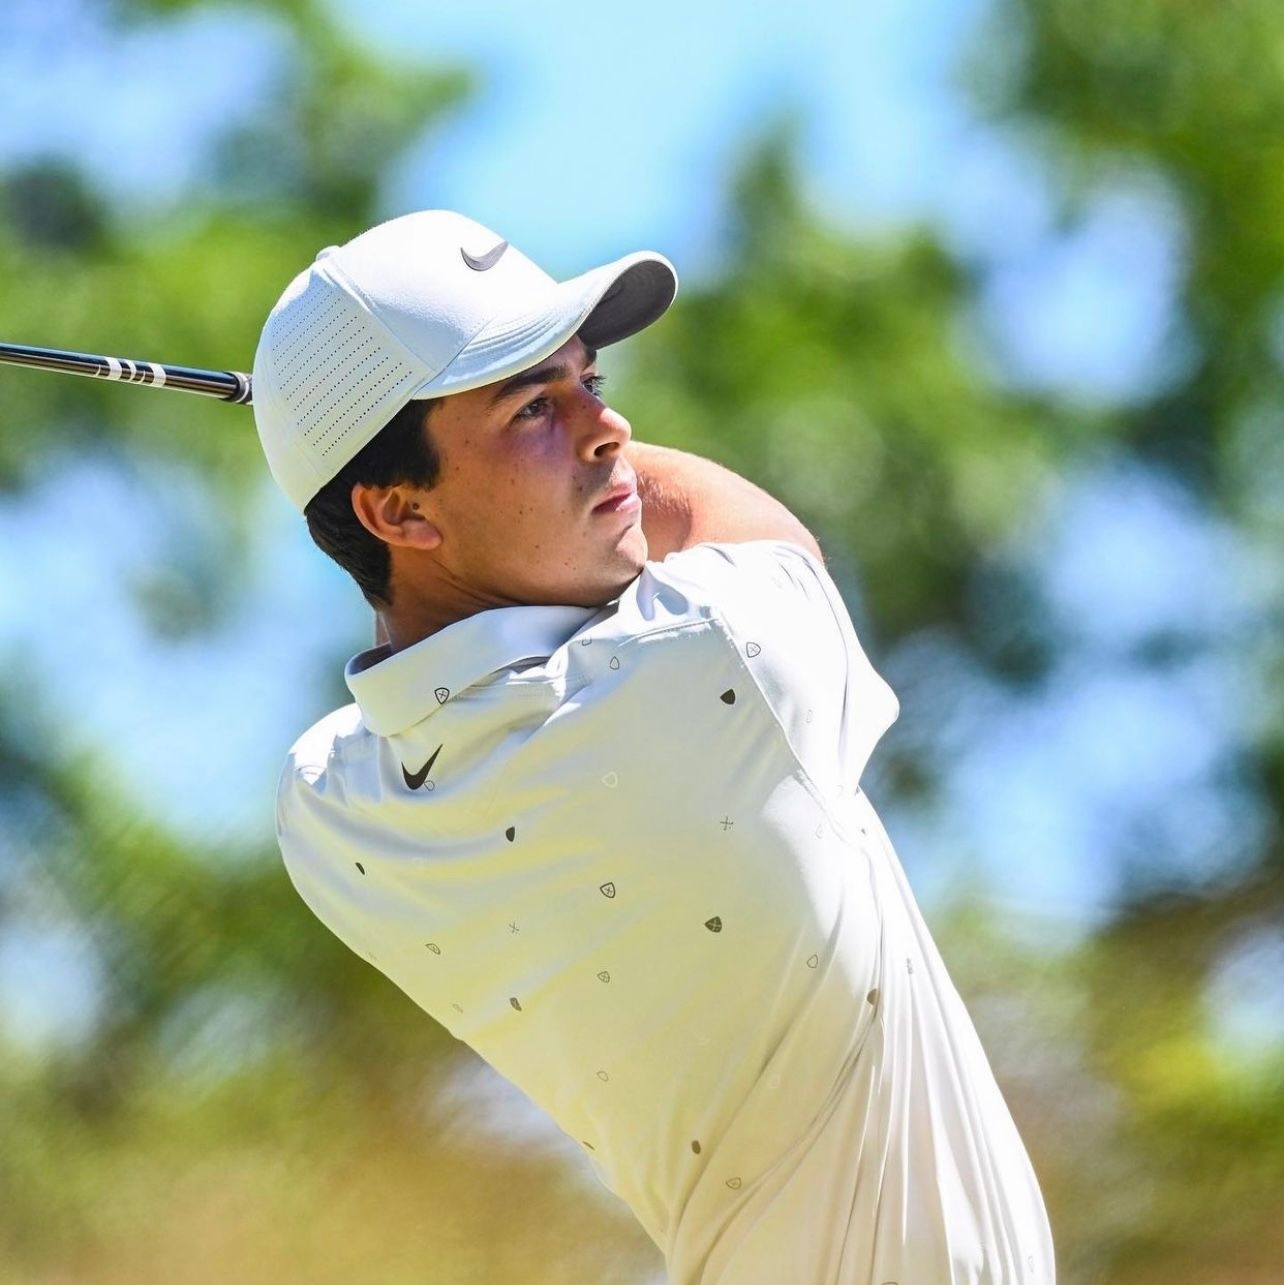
623, 854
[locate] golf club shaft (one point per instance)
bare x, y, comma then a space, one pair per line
228, 385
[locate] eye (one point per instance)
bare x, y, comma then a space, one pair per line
538, 405
533, 409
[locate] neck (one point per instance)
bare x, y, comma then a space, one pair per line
419, 610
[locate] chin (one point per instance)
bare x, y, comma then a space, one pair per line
600, 589
602, 580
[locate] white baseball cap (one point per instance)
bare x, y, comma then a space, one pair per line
422, 306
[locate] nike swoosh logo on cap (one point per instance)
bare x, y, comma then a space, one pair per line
487, 260
416, 779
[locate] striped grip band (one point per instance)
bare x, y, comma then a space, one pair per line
131, 372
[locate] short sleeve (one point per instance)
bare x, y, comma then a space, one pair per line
783, 612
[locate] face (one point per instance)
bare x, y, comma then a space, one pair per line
525, 466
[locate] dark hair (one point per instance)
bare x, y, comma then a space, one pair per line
401, 451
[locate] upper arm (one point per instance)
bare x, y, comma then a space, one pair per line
688, 501
756, 521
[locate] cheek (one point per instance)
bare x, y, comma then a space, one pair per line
531, 478
519, 496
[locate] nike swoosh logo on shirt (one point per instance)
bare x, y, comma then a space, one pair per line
416, 779
487, 260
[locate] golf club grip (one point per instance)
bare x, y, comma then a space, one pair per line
227, 385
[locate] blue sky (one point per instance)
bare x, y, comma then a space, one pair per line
593, 134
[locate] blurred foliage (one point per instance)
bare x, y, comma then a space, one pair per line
253, 1102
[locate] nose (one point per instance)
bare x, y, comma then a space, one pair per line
604, 432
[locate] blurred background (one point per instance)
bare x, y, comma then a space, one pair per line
990, 292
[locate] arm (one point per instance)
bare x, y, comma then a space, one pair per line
689, 500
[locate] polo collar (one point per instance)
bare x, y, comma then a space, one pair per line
395, 690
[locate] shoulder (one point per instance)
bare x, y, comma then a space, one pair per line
748, 583
317, 763
739, 560
776, 604
771, 600
715, 577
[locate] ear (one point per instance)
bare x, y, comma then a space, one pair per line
395, 514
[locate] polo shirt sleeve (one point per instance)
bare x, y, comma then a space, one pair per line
785, 616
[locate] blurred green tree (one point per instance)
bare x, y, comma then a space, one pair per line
1188, 95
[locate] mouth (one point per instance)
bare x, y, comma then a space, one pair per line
620, 499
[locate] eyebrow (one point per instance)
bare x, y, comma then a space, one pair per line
539, 375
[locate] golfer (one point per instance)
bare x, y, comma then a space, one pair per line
597, 804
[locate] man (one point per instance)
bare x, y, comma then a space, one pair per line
596, 807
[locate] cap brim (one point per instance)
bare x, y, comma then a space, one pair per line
602, 306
